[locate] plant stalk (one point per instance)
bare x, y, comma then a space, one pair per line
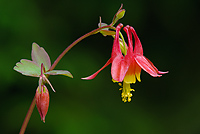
28, 115
74, 43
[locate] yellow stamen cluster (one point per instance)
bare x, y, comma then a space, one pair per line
126, 92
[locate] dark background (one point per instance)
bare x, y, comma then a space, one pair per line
169, 32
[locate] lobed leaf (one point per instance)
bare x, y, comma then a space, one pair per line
60, 72
27, 67
101, 24
39, 56
105, 31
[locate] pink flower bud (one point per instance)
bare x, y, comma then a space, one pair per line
42, 101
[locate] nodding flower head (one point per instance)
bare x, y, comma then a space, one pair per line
126, 67
42, 101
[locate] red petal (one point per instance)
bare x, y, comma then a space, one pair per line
119, 68
138, 46
129, 35
147, 65
95, 74
159, 72
116, 46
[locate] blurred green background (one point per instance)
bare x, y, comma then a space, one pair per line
169, 32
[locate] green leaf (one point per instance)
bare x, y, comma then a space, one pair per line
39, 56
27, 67
105, 31
101, 24
60, 72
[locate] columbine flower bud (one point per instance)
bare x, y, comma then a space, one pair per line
120, 14
42, 101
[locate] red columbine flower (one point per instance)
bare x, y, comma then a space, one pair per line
136, 61
126, 68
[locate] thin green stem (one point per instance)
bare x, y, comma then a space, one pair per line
74, 43
123, 42
124, 47
28, 115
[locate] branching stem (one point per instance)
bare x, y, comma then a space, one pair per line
28, 115
74, 43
